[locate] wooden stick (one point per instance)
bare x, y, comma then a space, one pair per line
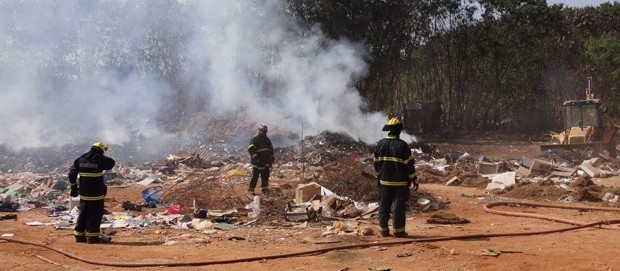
47, 260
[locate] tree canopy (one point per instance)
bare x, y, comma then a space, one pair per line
493, 64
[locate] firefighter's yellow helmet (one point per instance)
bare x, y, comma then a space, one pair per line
393, 125
101, 146
393, 121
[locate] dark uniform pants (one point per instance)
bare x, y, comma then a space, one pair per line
89, 220
399, 195
264, 177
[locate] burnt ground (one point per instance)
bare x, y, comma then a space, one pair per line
345, 171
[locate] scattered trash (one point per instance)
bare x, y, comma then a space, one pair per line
491, 252
174, 209
234, 237
131, 207
423, 201
150, 179
8, 206
200, 213
446, 218
254, 207
9, 216
224, 226
152, 194
237, 173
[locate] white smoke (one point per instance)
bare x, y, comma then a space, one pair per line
108, 70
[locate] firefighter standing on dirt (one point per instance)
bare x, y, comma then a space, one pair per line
262, 157
394, 164
92, 190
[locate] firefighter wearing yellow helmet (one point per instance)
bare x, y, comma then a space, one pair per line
90, 168
262, 158
395, 169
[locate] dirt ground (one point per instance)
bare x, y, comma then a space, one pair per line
590, 248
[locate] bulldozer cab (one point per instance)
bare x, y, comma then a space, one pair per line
584, 129
583, 120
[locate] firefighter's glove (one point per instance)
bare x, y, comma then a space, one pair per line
74, 191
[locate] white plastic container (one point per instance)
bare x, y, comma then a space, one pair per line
255, 207
74, 202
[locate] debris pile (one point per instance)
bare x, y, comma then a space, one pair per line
324, 177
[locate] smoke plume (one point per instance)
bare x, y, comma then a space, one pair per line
83, 71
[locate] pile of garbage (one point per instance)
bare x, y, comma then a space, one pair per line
328, 176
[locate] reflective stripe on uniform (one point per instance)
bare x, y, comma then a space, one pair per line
262, 150
394, 159
92, 198
399, 230
251, 145
92, 234
77, 233
393, 183
89, 174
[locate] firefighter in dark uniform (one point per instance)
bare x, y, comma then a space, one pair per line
91, 189
262, 157
395, 168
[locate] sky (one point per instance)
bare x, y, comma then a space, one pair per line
579, 3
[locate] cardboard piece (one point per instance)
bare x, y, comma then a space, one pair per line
527, 162
488, 168
14, 188
150, 179
306, 192
590, 170
540, 165
454, 181
502, 181
523, 171
561, 173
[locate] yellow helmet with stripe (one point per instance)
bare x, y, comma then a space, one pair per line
100, 146
393, 125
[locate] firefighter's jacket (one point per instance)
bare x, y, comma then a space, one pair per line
90, 168
261, 152
394, 162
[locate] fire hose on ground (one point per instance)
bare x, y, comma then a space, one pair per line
487, 208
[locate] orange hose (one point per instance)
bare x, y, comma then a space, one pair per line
487, 208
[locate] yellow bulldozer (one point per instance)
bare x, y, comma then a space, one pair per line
584, 128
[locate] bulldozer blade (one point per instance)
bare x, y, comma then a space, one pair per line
595, 147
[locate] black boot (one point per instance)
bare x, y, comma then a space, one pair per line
401, 234
94, 240
80, 239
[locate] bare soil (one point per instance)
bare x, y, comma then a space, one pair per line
584, 249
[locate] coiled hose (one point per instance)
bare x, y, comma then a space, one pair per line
487, 208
